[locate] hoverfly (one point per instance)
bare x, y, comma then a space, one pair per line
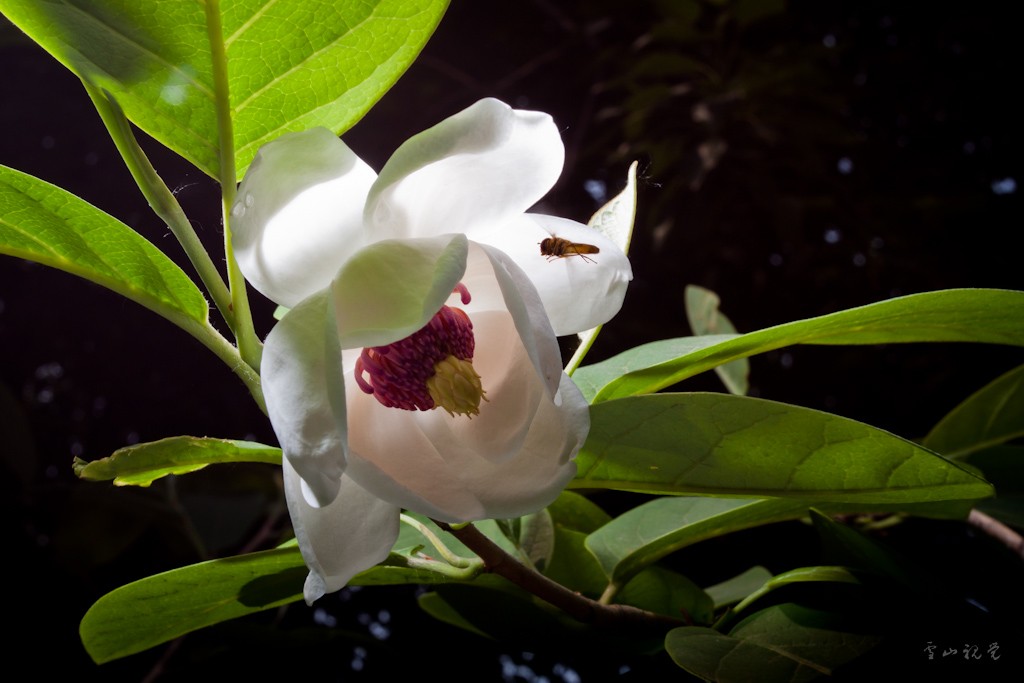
556, 247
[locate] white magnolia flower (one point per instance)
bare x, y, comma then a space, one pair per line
308, 203
395, 312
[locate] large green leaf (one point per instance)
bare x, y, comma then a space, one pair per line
43, 223
291, 64
705, 318
968, 315
659, 589
631, 542
645, 534
784, 644
572, 511
142, 464
991, 416
593, 378
717, 444
162, 607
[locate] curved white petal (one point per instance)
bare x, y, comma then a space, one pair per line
299, 214
391, 289
578, 292
541, 469
338, 541
477, 168
521, 300
295, 384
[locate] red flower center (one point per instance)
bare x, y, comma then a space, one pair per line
399, 374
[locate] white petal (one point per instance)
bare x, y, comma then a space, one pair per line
295, 386
579, 292
391, 289
390, 456
542, 469
299, 214
338, 541
521, 300
481, 167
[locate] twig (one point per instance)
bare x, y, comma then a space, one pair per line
161, 664
997, 530
583, 609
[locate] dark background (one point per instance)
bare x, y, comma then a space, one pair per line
798, 158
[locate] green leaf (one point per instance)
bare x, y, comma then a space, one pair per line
847, 546
292, 64
785, 644
593, 378
142, 464
992, 415
990, 316
705, 318
573, 566
537, 538
159, 608
656, 589
43, 223
649, 532
738, 587
434, 605
661, 590
722, 445
801, 575
572, 511
511, 617
162, 607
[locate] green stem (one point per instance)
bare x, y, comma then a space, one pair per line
467, 573
248, 343
449, 557
609, 594
160, 198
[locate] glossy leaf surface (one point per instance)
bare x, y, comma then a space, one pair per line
717, 444
991, 316
142, 464
43, 223
784, 644
291, 64
991, 416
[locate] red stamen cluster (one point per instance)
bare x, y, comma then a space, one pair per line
398, 372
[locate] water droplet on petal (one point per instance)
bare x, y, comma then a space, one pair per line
238, 210
249, 200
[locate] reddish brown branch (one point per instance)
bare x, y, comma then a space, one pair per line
581, 608
997, 530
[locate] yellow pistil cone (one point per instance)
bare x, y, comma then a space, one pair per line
456, 387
